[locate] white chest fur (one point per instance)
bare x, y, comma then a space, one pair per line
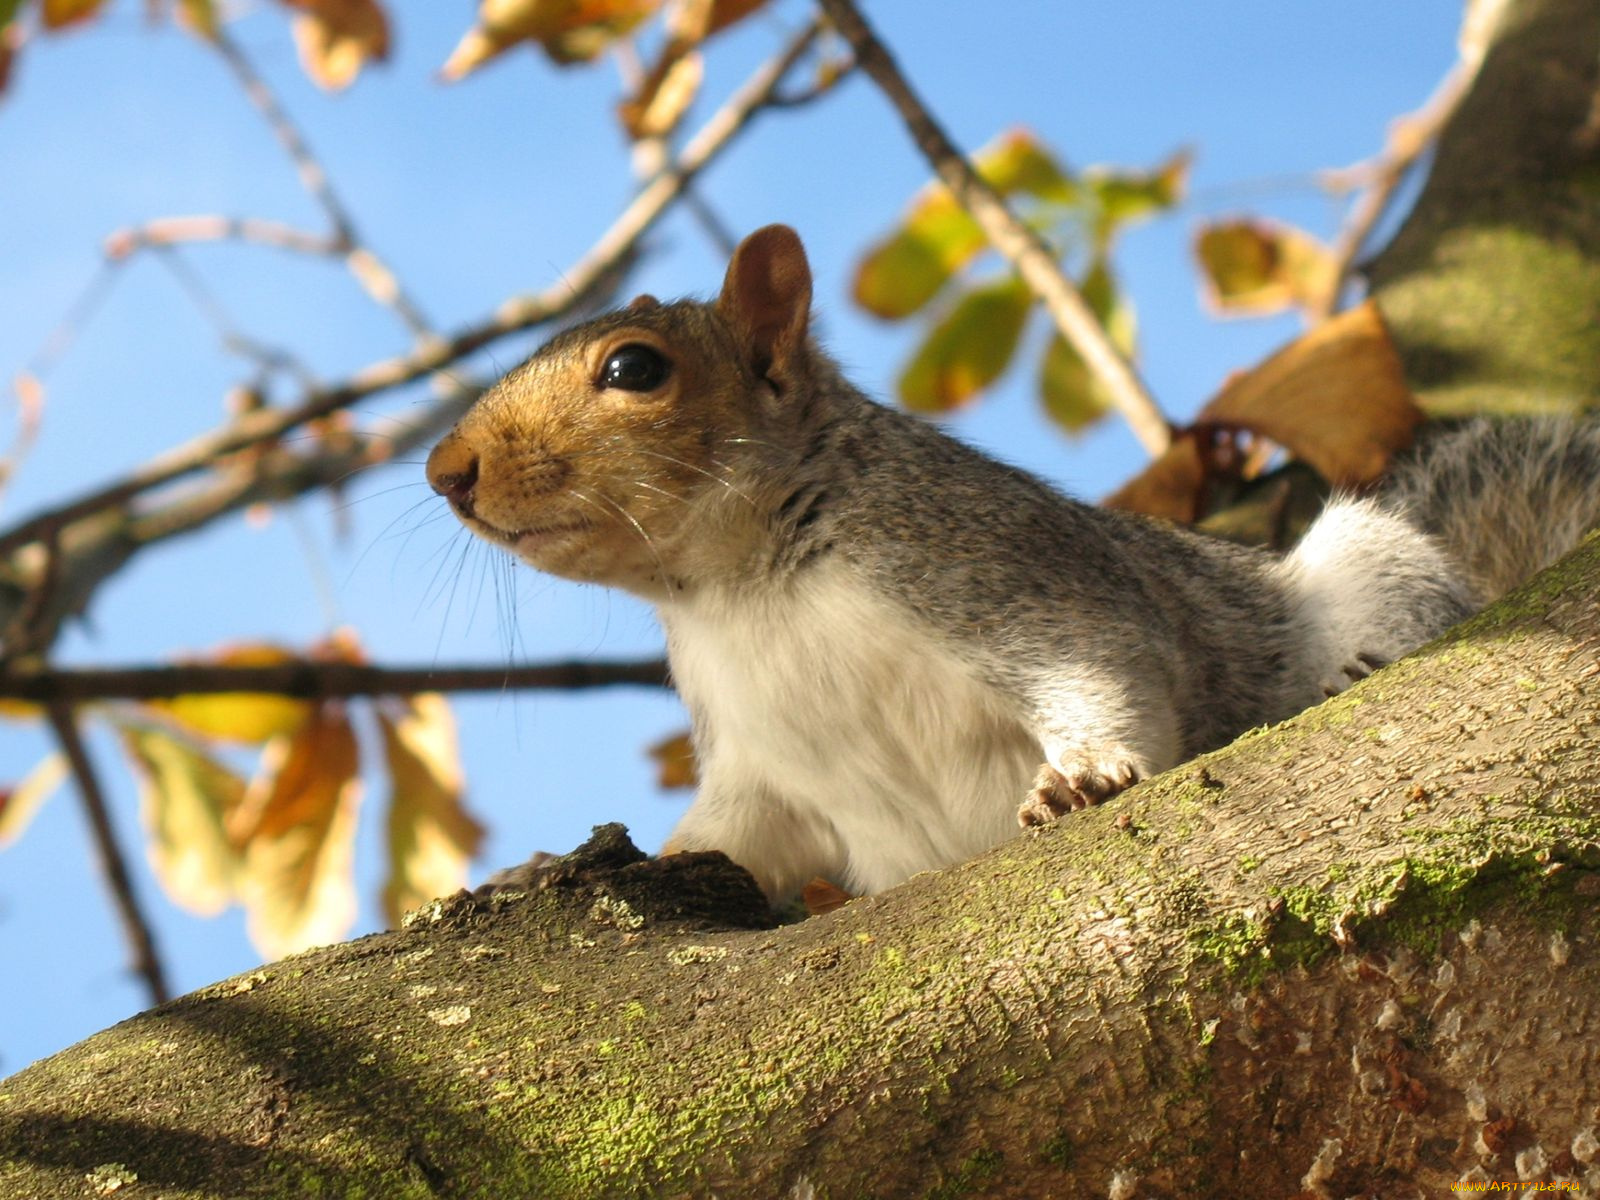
839, 737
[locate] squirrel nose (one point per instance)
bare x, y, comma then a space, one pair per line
453, 472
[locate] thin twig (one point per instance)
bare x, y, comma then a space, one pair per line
1021, 246
141, 940
1409, 139
209, 227
370, 271
590, 272
309, 680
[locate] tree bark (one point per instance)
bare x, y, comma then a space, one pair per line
1354, 954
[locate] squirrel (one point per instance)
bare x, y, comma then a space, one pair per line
893, 648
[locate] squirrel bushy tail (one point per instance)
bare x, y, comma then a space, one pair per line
1505, 498
1474, 511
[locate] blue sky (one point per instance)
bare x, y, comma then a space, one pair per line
489, 188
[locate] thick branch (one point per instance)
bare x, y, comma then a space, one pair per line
1230, 981
1021, 246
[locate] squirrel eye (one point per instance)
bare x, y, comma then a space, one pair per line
635, 368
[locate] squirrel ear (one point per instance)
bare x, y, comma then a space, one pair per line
766, 297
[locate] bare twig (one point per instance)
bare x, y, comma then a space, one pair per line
207, 227
1021, 246
590, 272
1380, 177
370, 271
310, 680
141, 940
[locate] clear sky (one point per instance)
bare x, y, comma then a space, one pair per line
489, 188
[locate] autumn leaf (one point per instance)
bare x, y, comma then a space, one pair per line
21, 801
296, 824
336, 38
56, 14
969, 349
186, 801
199, 17
1123, 196
1073, 395
820, 896
1336, 399
937, 238
431, 836
675, 762
1251, 268
664, 96
246, 717
569, 30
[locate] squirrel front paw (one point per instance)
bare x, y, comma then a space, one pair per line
1082, 784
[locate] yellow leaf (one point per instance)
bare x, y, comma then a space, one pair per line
336, 38
1073, 395
1260, 267
186, 800
937, 237
568, 30
245, 717
19, 803
663, 97
431, 836
20, 710
199, 17
297, 828
675, 763
56, 14
967, 350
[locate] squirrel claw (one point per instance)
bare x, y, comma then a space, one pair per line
1056, 793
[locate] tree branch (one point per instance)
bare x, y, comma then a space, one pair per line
61, 686
371, 272
136, 929
1021, 246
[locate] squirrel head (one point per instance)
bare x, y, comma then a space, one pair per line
638, 449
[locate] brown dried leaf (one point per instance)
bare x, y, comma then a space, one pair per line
1335, 398
336, 38
186, 800
819, 896
675, 762
431, 836
297, 828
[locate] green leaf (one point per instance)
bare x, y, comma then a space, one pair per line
1017, 161
905, 271
937, 238
186, 799
1073, 395
8, 12
968, 349
1125, 196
